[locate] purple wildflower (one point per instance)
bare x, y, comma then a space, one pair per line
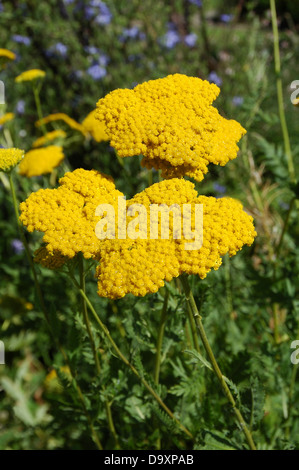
225, 18
190, 39
17, 246
213, 77
238, 100
97, 72
20, 107
21, 39
218, 188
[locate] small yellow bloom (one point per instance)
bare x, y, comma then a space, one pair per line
30, 75
6, 118
62, 117
29, 306
41, 161
171, 122
94, 127
295, 102
9, 158
7, 54
49, 137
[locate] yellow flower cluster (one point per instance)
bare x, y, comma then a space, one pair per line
30, 75
6, 118
142, 266
62, 117
95, 128
9, 158
41, 161
49, 137
67, 215
7, 54
171, 122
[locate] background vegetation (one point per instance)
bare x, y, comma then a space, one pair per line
250, 306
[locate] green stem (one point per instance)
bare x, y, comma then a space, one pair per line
43, 308
94, 349
125, 360
160, 337
39, 108
202, 333
282, 117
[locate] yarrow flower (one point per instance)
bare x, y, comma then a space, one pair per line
30, 75
6, 118
171, 122
142, 266
49, 137
94, 127
66, 215
9, 158
6, 54
62, 117
41, 161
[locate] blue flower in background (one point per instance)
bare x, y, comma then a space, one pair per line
97, 72
98, 11
171, 38
218, 188
225, 18
131, 33
91, 50
61, 49
198, 3
20, 107
57, 50
17, 246
190, 39
1, 7
238, 100
213, 77
21, 39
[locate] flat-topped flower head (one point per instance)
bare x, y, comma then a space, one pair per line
7, 54
94, 127
66, 215
30, 75
171, 122
62, 117
41, 161
142, 265
9, 158
58, 134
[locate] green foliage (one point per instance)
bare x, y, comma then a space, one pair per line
249, 306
